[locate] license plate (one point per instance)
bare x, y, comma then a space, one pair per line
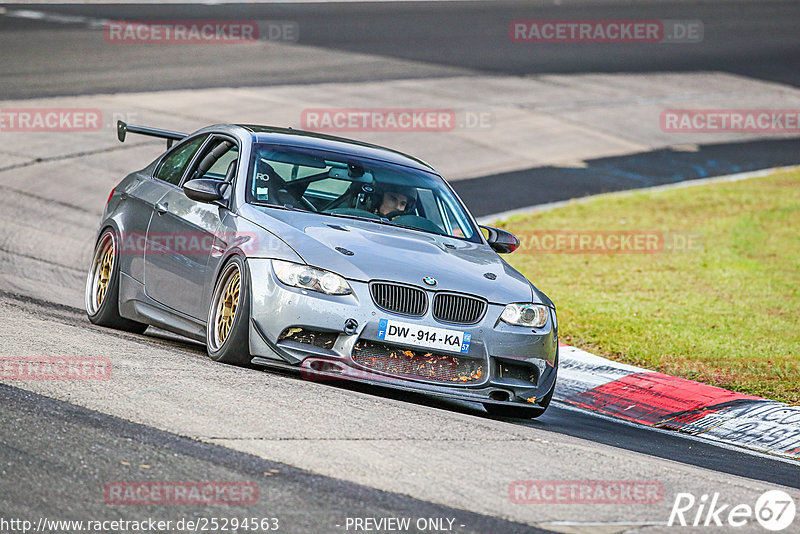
424, 336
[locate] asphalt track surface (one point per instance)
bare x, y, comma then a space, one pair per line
756, 39
423, 40
54, 456
67, 482
528, 187
559, 417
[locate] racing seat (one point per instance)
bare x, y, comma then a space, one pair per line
265, 182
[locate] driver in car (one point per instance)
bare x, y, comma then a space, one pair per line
396, 200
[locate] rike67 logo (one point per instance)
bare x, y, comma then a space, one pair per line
774, 510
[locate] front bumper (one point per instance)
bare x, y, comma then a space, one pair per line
505, 365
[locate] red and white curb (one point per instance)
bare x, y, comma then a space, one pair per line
642, 396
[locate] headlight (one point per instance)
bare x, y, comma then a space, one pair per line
533, 315
305, 277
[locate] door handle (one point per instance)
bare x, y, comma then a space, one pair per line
162, 208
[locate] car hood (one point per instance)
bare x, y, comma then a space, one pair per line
364, 251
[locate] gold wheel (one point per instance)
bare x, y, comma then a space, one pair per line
225, 304
100, 274
104, 276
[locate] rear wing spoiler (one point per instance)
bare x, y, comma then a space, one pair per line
123, 128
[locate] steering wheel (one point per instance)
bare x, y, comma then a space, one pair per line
392, 214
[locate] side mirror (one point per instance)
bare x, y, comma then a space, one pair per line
501, 241
205, 190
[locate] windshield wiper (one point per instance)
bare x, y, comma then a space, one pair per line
288, 207
418, 229
382, 220
385, 221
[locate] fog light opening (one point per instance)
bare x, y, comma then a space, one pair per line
322, 366
500, 395
317, 338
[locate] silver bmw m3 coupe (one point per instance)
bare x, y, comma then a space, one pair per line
344, 260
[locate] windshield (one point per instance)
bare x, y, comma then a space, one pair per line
340, 185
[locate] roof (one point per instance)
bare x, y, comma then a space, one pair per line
301, 138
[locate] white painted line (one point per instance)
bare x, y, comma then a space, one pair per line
215, 2
538, 208
56, 18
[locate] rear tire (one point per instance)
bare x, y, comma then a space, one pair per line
227, 328
101, 297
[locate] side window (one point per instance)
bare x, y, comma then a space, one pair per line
172, 166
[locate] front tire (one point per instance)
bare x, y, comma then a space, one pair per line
101, 297
227, 332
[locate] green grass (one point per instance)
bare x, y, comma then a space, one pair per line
726, 313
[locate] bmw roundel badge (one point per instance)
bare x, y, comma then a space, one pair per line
429, 280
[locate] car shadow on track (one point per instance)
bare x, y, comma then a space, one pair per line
568, 421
